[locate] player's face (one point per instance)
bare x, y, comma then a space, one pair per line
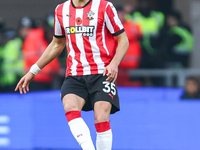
80, 2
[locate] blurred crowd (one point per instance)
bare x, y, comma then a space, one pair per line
157, 40
21, 48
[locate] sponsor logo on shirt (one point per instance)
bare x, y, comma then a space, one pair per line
85, 30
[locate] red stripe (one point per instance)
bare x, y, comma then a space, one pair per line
69, 57
86, 42
111, 16
72, 115
99, 38
60, 17
72, 12
102, 126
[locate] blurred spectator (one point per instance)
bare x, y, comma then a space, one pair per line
33, 47
192, 89
25, 25
151, 22
177, 43
130, 8
132, 57
11, 64
34, 37
12, 68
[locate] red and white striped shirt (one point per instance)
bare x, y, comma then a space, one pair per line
89, 31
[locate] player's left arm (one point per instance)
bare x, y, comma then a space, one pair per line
112, 68
116, 28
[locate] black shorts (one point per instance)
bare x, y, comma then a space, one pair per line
91, 88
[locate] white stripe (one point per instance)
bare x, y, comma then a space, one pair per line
66, 24
80, 45
116, 18
4, 119
104, 40
74, 61
95, 48
109, 24
58, 30
4, 142
4, 130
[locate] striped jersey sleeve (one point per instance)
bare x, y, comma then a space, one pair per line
58, 27
112, 20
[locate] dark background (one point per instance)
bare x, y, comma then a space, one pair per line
12, 10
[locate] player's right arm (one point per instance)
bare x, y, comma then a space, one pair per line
51, 52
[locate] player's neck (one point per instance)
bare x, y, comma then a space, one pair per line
80, 3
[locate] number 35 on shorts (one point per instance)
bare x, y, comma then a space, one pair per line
109, 87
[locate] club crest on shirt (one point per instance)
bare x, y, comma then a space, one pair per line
90, 15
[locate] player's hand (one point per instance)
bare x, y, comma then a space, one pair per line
112, 72
23, 84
